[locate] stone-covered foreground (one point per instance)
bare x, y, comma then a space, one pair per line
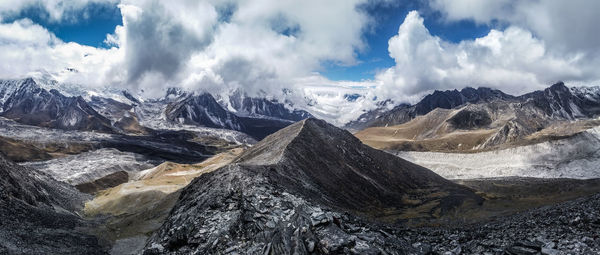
568, 228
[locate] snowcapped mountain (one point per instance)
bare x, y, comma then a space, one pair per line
558, 101
438, 99
202, 110
259, 107
40, 101
27, 102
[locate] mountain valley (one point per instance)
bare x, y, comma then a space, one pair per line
469, 171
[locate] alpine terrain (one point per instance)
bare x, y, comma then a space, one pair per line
269, 127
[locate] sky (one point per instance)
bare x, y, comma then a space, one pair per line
398, 50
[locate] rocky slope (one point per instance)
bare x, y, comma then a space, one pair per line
39, 215
178, 146
567, 228
19, 151
286, 195
138, 207
26, 102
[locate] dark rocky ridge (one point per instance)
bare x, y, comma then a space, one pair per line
298, 191
38, 214
330, 165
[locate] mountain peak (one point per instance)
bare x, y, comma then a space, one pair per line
270, 150
323, 162
559, 86
29, 80
293, 176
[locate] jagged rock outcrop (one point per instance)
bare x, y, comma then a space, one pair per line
306, 188
39, 214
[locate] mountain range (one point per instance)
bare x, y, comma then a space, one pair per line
195, 173
40, 103
557, 101
479, 119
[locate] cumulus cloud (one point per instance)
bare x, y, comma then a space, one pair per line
563, 25
511, 59
26, 47
266, 45
261, 45
160, 38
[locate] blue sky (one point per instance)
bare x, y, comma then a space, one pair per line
97, 20
192, 45
87, 27
388, 17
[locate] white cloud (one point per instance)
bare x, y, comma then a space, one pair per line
261, 45
563, 25
27, 47
26, 33
266, 45
512, 60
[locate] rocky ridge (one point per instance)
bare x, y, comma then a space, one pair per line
285, 195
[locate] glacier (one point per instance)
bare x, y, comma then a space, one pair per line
575, 157
92, 165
